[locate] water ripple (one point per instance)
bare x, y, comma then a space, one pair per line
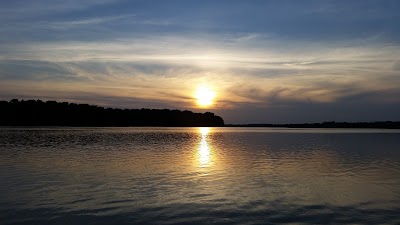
198, 176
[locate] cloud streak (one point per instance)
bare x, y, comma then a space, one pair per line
165, 60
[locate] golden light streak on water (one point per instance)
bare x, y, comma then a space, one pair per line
204, 152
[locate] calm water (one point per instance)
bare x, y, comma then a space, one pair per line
199, 176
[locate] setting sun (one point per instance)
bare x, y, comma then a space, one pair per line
205, 96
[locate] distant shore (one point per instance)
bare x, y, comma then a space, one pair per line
332, 124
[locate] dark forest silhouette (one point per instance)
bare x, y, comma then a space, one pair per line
52, 113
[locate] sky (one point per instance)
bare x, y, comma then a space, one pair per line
265, 61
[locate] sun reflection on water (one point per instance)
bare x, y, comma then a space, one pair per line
204, 152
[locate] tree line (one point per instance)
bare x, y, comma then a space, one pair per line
330, 124
51, 113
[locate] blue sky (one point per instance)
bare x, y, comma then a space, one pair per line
268, 61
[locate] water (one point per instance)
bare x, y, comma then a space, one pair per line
199, 176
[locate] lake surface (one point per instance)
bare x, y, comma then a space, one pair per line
199, 176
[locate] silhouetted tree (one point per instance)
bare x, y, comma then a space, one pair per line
52, 113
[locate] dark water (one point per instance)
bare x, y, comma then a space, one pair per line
199, 176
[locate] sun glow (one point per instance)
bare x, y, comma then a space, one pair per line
204, 96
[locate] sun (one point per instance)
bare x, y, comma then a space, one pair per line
204, 96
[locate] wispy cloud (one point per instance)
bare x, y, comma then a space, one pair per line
87, 22
13, 10
243, 73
